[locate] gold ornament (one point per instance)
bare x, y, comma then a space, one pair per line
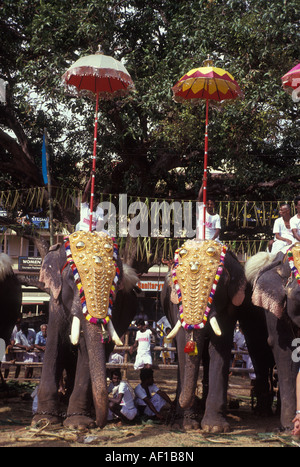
195, 273
92, 253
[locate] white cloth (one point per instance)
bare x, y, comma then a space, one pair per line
97, 219
295, 223
156, 399
240, 342
143, 355
28, 341
211, 224
128, 409
280, 228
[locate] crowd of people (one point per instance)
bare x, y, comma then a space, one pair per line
26, 346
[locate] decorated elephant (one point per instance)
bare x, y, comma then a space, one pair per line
209, 283
90, 290
208, 280
276, 290
10, 300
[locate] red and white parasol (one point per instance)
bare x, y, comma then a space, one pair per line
102, 77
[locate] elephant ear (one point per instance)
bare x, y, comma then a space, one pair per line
50, 273
269, 292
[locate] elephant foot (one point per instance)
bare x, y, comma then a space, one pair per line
46, 419
190, 424
79, 422
219, 425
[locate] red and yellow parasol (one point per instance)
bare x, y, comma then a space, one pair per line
291, 82
207, 83
102, 77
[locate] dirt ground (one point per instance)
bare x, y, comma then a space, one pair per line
248, 430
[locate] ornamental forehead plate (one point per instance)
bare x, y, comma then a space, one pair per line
296, 255
195, 273
92, 253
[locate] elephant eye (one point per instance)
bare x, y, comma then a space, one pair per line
80, 246
211, 251
108, 247
182, 253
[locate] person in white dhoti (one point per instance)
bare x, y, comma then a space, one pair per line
121, 398
283, 232
148, 397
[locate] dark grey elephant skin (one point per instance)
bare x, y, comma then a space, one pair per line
277, 292
231, 284
10, 298
84, 363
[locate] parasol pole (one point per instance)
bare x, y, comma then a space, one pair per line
205, 168
94, 162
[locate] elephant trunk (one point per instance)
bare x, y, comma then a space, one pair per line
96, 354
191, 371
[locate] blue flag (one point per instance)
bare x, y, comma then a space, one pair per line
44, 161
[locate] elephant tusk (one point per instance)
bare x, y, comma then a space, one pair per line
113, 334
75, 330
175, 330
214, 324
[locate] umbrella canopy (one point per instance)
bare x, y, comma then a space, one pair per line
207, 83
102, 77
291, 82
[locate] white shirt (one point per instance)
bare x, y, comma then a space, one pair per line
295, 223
28, 340
212, 222
144, 340
128, 394
281, 229
84, 223
141, 393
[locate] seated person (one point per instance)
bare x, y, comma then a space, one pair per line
149, 398
121, 401
97, 219
212, 219
40, 341
295, 220
283, 233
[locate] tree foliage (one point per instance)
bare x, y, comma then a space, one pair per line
144, 137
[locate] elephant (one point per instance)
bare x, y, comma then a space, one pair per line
209, 284
10, 299
276, 291
231, 300
91, 298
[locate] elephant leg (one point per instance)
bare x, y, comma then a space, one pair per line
219, 360
48, 397
280, 339
253, 323
80, 403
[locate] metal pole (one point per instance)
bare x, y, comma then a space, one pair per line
205, 168
49, 189
94, 162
